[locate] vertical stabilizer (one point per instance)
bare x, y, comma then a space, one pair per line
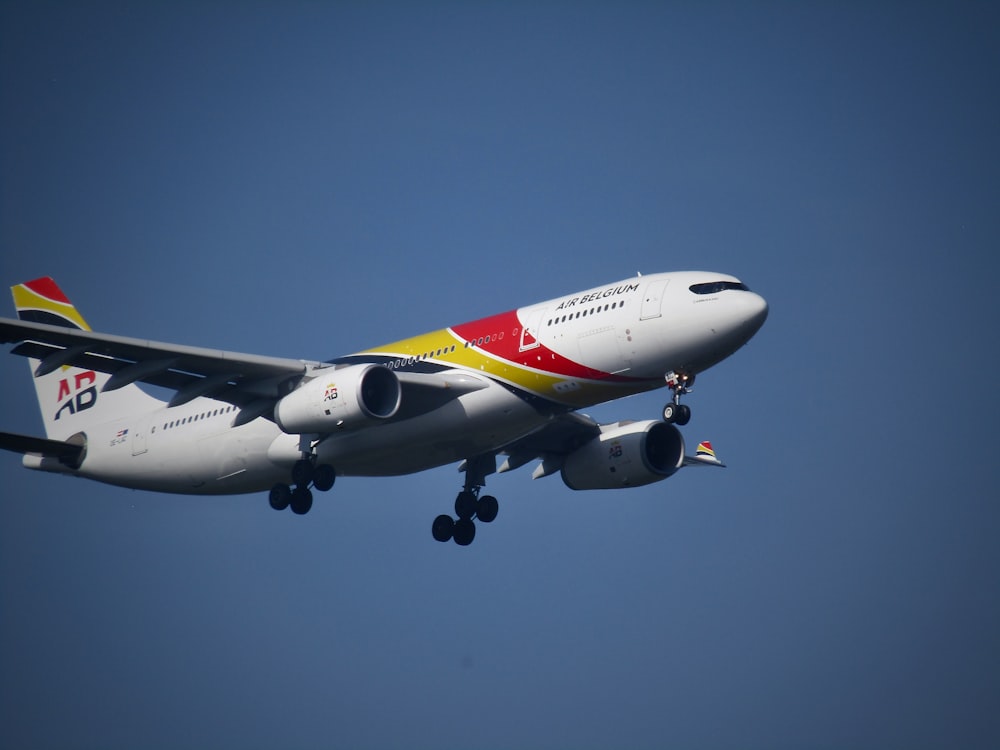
70, 398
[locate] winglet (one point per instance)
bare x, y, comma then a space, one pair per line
704, 456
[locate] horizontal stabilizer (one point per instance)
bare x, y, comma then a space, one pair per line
67, 453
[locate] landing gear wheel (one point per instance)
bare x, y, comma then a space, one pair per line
281, 495
302, 500
487, 509
443, 528
323, 477
465, 505
680, 384
470, 506
302, 472
464, 533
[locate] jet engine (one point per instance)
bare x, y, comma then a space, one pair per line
626, 454
340, 400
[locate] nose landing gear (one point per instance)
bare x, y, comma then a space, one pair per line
675, 412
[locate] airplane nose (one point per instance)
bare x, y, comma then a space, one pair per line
757, 311
748, 315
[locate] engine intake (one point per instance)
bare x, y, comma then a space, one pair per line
341, 399
626, 454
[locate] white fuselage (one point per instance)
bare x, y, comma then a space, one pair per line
533, 363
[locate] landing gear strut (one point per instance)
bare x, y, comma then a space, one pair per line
470, 506
304, 472
675, 412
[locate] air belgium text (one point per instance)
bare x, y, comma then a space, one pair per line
587, 298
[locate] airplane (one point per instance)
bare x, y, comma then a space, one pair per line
509, 385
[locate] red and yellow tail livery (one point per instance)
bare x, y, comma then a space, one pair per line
42, 301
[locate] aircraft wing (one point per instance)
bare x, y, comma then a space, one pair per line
249, 381
551, 443
563, 435
191, 371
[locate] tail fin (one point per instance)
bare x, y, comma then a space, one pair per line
42, 301
70, 397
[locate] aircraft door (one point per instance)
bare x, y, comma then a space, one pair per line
532, 325
652, 299
139, 437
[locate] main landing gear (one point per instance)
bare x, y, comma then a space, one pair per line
675, 412
304, 473
469, 505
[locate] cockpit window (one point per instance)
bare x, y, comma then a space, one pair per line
714, 287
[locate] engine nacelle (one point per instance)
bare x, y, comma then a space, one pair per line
628, 454
340, 400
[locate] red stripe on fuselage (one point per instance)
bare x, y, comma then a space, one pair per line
500, 336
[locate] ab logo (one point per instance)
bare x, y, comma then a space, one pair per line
82, 395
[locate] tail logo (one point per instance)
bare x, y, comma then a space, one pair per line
79, 392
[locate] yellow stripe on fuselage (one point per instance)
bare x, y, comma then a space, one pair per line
569, 391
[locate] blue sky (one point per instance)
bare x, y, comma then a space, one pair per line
309, 179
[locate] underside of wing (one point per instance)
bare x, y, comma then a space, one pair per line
551, 443
190, 371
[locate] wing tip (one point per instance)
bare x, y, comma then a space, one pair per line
704, 456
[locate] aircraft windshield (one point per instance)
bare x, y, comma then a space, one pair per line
714, 287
